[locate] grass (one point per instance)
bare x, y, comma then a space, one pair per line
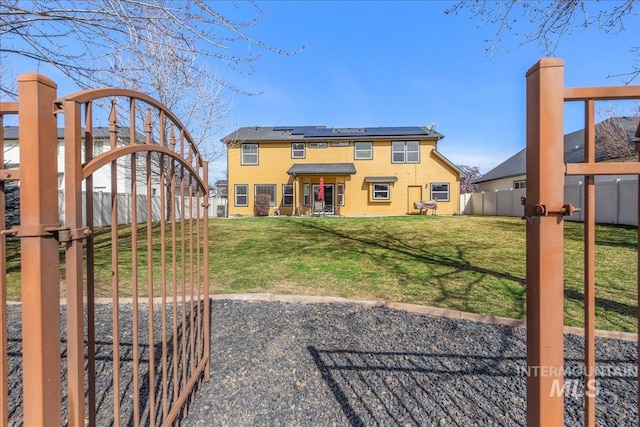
469, 263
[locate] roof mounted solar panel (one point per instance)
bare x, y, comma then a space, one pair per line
349, 131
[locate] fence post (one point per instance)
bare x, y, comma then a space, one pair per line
74, 265
617, 201
580, 204
39, 250
545, 239
511, 213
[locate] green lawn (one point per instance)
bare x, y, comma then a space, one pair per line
469, 263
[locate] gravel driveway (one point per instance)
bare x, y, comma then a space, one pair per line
338, 364
347, 365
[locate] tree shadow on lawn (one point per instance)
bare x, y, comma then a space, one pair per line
626, 310
396, 249
458, 263
618, 236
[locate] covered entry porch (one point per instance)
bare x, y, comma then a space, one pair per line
320, 188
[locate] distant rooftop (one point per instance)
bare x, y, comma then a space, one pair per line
297, 133
100, 132
516, 165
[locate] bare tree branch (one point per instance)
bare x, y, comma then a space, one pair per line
79, 38
615, 134
546, 23
159, 47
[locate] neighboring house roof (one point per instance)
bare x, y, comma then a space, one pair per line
297, 133
99, 132
322, 169
516, 165
11, 133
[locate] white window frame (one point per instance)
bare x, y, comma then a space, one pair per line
377, 194
317, 145
447, 191
98, 147
365, 154
298, 152
519, 184
339, 143
397, 148
305, 195
402, 148
245, 156
340, 194
257, 190
236, 194
410, 152
287, 192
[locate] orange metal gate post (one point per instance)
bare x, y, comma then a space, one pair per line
545, 257
39, 250
544, 211
74, 268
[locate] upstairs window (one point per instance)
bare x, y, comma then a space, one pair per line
517, 185
405, 152
249, 154
363, 150
298, 150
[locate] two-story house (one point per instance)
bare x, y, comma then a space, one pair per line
363, 171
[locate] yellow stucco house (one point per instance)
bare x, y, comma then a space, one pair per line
363, 171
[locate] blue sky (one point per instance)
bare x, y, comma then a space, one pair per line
377, 63
408, 63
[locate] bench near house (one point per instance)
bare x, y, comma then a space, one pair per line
364, 171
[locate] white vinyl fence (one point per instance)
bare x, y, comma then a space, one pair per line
616, 202
102, 208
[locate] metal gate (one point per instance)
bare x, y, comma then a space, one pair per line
544, 211
137, 356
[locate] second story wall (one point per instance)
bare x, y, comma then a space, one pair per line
389, 175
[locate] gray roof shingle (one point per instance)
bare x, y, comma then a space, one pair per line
322, 169
297, 133
573, 150
100, 132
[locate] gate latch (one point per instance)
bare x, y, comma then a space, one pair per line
66, 234
61, 234
541, 210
